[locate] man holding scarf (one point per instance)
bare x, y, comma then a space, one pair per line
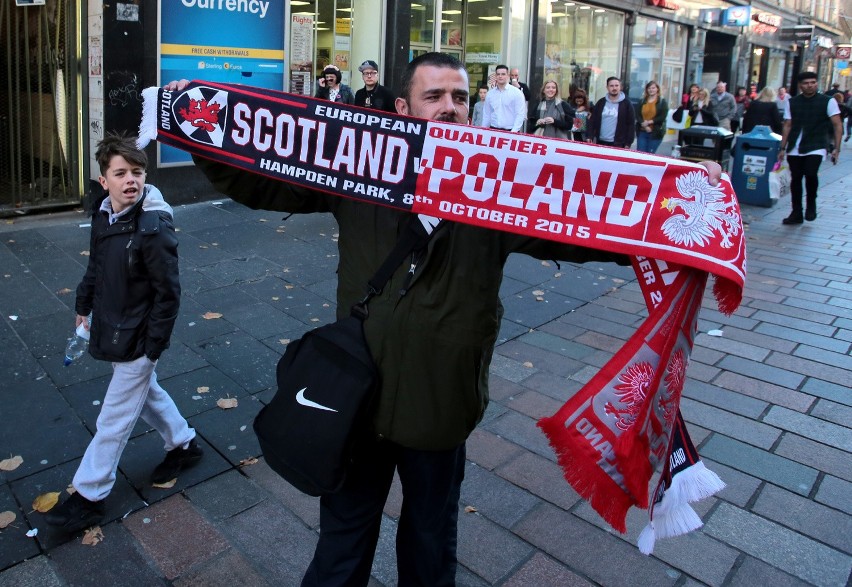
433, 347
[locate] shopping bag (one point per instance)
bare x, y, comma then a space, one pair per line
678, 119
779, 181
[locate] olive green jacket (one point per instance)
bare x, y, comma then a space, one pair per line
433, 346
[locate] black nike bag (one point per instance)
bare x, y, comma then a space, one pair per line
327, 384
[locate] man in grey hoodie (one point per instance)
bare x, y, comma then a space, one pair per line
723, 105
613, 120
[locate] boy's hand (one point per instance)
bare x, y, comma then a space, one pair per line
82, 320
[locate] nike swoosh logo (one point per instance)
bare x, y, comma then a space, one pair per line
301, 399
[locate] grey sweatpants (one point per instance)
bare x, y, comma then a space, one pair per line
132, 392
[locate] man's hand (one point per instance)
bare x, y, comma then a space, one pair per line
714, 170
176, 85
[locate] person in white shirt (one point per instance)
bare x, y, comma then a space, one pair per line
505, 107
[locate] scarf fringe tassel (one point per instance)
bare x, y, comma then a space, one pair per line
586, 477
673, 516
148, 124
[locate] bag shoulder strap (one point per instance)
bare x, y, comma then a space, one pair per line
413, 237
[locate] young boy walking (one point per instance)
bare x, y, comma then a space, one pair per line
132, 290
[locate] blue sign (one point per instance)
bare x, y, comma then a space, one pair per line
736, 16
238, 41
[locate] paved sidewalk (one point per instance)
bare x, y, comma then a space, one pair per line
768, 403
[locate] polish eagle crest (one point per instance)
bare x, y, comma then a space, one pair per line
703, 210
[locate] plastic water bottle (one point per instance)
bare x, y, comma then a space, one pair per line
78, 345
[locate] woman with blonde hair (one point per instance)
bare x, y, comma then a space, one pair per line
763, 111
553, 118
699, 109
651, 114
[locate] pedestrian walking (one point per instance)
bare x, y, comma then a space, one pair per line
554, 117
613, 121
811, 122
374, 95
132, 291
505, 107
332, 89
763, 111
476, 119
580, 105
723, 105
651, 113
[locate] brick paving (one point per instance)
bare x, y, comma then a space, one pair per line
768, 403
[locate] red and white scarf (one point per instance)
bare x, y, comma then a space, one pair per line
613, 434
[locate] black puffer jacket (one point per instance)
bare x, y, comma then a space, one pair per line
132, 285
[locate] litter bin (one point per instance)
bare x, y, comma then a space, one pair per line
700, 143
754, 156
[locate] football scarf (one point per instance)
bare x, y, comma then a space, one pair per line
612, 435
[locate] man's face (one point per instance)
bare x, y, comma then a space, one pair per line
782, 92
502, 77
613, 88
720, 87
330, 80
514, 75
124, 182
371, 77
808, 87
482, 93
437, 93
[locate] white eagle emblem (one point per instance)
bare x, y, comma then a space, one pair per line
705, 209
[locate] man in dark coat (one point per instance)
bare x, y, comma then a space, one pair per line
613, 120
373, 94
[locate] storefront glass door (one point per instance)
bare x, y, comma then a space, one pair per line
582, 47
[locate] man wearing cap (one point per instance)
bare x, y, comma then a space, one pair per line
332, 89
373, 94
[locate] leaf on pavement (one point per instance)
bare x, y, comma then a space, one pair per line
166, 485
46, 501
64, 291
227, 403
248, 462
211, 315
469, 509
528, 365
6, 518
84, 253
92, 536
11, 464
202, 389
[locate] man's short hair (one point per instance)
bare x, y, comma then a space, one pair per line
427, 59
501, 66
119, 143
611, 78
805, 75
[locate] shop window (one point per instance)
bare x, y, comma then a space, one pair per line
330, 41
658, 54
582, 47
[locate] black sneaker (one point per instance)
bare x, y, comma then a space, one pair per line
76, 513
810, 214
176, 460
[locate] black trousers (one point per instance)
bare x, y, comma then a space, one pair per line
427, 532
806, 167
